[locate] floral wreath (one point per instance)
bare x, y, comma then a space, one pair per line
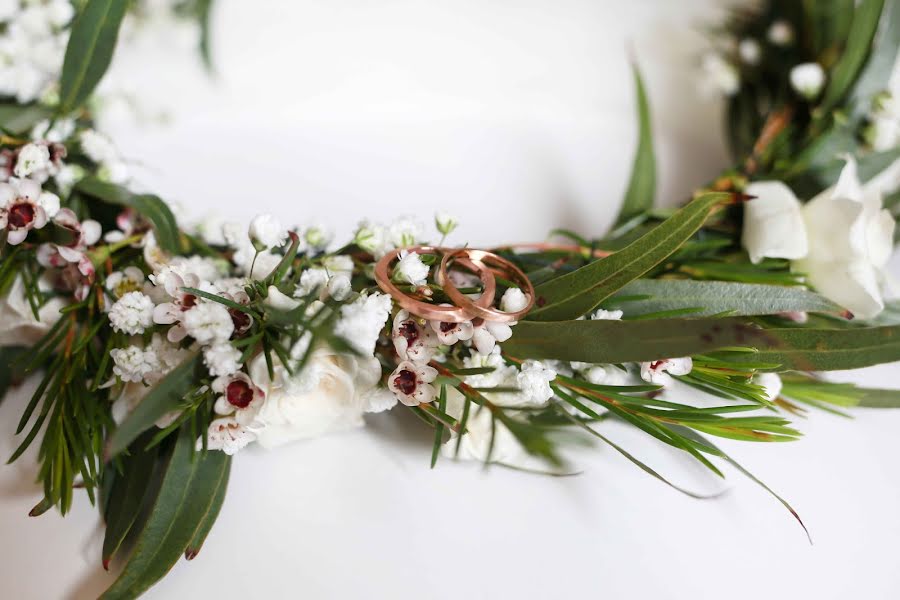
163, 350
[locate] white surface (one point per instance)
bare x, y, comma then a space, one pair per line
520, 115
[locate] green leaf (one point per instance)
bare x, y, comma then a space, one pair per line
204, 14
149, 206
859, 43
89, 52
876, 75
642, 185
793, 348
577, 293
165, 396
11, 372
18, 118
188, 498
127, 495
207, 523
878, 398
710, 298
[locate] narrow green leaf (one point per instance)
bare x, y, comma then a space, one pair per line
208, 521
878, 398
19, 118
710, 298
11, 372
149, 206
165, 396
577, 293
875, 77
642, 184
127, 495
859, 43
204, 16
90, 50
188, 495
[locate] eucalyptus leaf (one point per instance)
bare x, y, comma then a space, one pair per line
128, 492
165, 396
188, 497
21, 118
708, 298
642, 185
577, 293
859, 43
147, 205
90, 49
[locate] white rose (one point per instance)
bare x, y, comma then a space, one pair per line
329, 395
841, 239
18, 326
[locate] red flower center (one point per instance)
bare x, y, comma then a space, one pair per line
21, 215
409, 330
188, 301
241, 320
406, 381
447, 327
239, 393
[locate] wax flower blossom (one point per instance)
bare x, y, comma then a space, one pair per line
238, 397
411, 383
23, 207
119, 283
659, 372
413, 339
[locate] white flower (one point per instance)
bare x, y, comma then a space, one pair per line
607, 315
780, 33
119, 283
658, 372
133, 363
773, 223
771, 383
329, 395
169, 356
24, 207
338, 264
32, 158
208, 322
318, 237
221, 359
362, 320
533, 381
132, 313
488, 333
312, 281
719, 75
513, 300
9, 9
279, 301
267, 232
411, 383
807, 79
405, 232
449, 333
411, 269
18, 324
339, 287
227, 435
850, 243
240, 397
501, 375
750, 51
445, 223
98, 147
413, 340
606, 375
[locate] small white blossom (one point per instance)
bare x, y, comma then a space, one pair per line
279, 301
411, 269
449, 333
658, 372
119, 283
405, 232
132, 313
133, 363
339, 287
445, 223
312, 281
780, 33
413, 340
488, 333
221, 359
339, 264
411, 383
373, 238
227, 435
208, 322
533, 381
719, 75
362, 320
513, 300
32, 158
98, 147
808, 79
238, 396
502, 373
771, 383
318, 237
750, 51
606, 375
267, 232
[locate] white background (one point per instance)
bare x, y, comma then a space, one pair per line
517, 117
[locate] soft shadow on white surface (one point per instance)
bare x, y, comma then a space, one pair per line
519, 118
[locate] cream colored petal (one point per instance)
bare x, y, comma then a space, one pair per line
773, 223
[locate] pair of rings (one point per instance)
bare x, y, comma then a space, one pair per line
486, 265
